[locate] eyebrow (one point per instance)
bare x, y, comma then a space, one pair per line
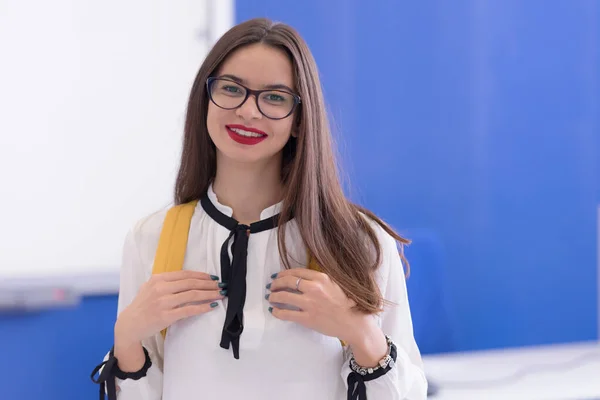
243, 82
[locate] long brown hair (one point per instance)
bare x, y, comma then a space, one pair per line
332, 228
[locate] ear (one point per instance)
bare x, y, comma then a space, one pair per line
296, 127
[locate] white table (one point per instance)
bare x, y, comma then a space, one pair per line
559, 372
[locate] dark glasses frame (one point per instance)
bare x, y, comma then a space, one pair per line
256, 93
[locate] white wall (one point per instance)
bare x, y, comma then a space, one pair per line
93, 97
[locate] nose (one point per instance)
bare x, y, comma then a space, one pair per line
249, 109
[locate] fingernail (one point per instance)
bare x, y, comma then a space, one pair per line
213, 305
269, 286
223, 292
274, 276
222, 285
214, 277
271, 310
266, 296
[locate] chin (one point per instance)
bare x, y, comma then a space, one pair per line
245, 155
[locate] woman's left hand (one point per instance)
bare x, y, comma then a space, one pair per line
324, 307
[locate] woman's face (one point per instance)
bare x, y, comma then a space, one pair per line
244, 134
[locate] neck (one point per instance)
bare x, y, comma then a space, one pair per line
248, 188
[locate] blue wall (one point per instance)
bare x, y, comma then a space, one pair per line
473, 127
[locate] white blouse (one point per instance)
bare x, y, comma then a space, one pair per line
278, 359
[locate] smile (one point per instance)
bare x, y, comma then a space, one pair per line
245, 135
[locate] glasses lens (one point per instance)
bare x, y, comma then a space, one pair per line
227, 94
276, 104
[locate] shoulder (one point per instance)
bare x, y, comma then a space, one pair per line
144, 234
387, 242
148, 228
391, 269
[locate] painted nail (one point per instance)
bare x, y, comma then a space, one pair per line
271, 310
266, 297
214, 277
222, 285
274, 276
213, 305
269, 286
223, 292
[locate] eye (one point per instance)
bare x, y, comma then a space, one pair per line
231, 88
275, 98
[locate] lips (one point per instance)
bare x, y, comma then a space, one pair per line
245, 135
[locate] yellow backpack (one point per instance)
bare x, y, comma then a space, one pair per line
173, 242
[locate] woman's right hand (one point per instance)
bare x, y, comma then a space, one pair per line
164, 299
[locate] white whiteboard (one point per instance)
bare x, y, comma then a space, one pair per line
92, 99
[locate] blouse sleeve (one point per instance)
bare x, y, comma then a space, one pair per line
405, 380
133, 275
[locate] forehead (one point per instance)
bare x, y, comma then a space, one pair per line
259, 65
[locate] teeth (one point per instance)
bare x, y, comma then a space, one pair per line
246, 133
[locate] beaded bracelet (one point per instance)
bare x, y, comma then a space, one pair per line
387, 360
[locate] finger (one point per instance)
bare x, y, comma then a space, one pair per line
186, 274
191, 310
292, 299
192, 284
288, 315
290, 282
192, 296
303, 273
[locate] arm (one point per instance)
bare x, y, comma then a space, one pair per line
129, 352
405, 380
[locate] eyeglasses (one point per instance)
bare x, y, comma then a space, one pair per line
229, 95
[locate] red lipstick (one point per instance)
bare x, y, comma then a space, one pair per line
240, 138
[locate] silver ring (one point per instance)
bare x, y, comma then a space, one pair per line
298, 284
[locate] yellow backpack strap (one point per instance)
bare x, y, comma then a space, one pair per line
173, 240
312, 264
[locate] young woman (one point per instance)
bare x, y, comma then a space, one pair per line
246, 318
